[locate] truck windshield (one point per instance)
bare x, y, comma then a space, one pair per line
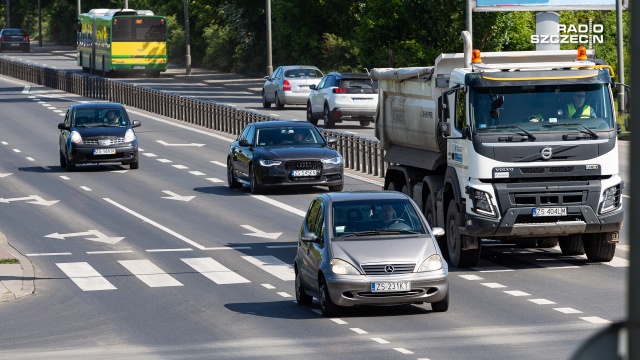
534, 108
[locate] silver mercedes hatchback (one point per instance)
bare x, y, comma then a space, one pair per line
289, 85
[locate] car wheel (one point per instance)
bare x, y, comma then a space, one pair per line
458, 256
328, 121
336, 188
69, 165
442, 305
231, 179
301, 296
327, 307
571, 245
310, 117
63, 161
255, 187
265, 103
134, 165
365, 122
279, 105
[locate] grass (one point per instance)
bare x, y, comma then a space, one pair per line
9, 261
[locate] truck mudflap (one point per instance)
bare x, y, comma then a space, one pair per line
519, 222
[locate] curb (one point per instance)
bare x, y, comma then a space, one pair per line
10, 286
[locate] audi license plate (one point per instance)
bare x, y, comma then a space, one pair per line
390, 286
552, 211
104, 151
304, 172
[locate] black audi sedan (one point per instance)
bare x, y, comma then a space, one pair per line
284, 153
96, 133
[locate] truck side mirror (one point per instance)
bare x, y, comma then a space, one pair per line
445, 129
443, 107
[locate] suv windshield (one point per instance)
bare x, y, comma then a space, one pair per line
375, 217
543, 108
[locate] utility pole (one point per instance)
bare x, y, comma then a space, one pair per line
39, 25
186, 36
9, 13
269, 61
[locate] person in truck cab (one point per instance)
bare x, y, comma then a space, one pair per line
577, 109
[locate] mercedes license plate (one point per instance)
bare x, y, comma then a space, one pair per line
104, 151
551, 211
390, 286
304, 173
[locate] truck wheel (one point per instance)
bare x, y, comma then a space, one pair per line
548, 242
431, 219
458, 256
598, 248
571, 245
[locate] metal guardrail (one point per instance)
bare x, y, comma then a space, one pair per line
360, 154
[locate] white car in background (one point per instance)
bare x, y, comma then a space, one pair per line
289, 85
343, 97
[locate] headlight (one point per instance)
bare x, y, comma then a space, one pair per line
342, 267
270, 162
129, 136
76, 138
433, 262
611, 199
481, 202
335, 161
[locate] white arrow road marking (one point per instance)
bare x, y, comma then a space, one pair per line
99, 237
167, 144
5, 175
174, 196
219, 163
35, 199
260, 233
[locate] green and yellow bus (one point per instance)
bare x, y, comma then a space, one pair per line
122, 41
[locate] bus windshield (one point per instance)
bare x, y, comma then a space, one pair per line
139, 29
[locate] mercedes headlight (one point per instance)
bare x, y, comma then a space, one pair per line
129, 136
335, 161
432, 263
342, 267
265, 162
76, 138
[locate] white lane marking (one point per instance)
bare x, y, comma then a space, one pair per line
181, 167
197, 173
85, 276
215, 180
58, 111
615, 262
161, 227
228, 248
85, 188
358, 331
282, 206
149, 273
16, 150
568, 310
164, 160
403, 350
380, 340
168, 250
517, 293
493, 285
362, 178
542, 301
149, 154
339, 321
219, 163
62, 114
284, 294
214, 271
5, 143
26, 89
273, 266
109, 252
471, 277
30, 158
49, 254
595, 320
63, 177
268, 286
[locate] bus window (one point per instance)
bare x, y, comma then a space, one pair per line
139, 29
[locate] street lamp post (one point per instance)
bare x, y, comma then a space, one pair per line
269, 61
186, 36
39, 25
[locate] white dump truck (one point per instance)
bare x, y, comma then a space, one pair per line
519, 147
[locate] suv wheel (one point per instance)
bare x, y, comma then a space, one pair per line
310, 117
328, 121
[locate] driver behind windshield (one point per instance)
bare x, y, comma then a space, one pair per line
577, 108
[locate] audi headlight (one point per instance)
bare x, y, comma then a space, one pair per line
129, 136
432, 263
611, 199
264, 162
76, 138
335, 161
481, 202
342, 267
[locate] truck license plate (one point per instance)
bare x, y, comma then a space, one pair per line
390, 286
553, 211
304, 173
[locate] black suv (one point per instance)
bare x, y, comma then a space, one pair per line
14, 40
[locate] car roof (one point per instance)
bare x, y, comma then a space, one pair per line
365, 195
351, 75
98, 105
299, 67
279, 123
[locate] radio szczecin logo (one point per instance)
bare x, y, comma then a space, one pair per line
582, 34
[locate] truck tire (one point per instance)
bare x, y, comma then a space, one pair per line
431, 219
571, 245
458, 256
598, 248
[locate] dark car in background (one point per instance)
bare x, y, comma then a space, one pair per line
284, 153
14, 40
97, 133
369, 248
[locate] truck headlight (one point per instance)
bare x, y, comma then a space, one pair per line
611, 199
481, 202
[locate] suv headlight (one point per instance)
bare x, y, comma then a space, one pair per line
265, 162
335, 161
433, 262
76, 138
342, 267
611, 199
481, 202
129, 135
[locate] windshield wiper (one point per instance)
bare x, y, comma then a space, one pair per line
379, 232
587, 130
529, 135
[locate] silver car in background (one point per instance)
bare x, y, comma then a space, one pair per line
368, 248
289, 85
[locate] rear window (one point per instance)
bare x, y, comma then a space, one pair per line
303, 73
14, 33
359, 84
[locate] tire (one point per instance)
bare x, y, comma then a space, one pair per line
310, 117
328, 121
255, 187
63, 161
365, 122
442, 305
548, 242
527, 243
457, 256
336, 188
231, 179
279, 105
327, 307
301, 296
265, 103
571, 245
393, 186
70, 166
134, 165
597, 247
431, 219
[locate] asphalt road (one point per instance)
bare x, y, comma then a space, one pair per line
167, 262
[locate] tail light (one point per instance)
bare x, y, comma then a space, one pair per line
27, 37
339, 91
286, 86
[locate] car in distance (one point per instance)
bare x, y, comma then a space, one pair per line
96, 133
289, 85
368, 248
284, 153
14, 40
343, 97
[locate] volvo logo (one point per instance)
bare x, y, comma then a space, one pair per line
546, 153
388, 268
